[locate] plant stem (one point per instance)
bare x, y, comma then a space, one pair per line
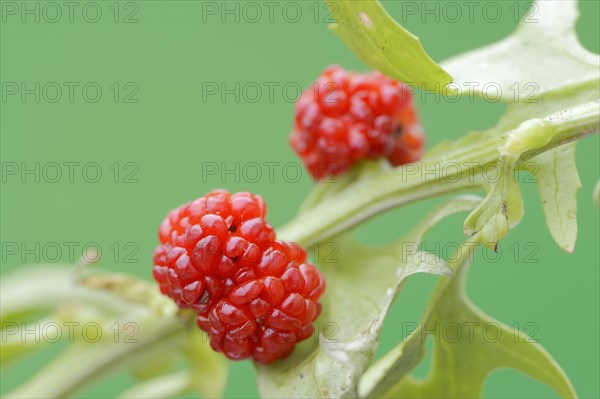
83, 363
365, 198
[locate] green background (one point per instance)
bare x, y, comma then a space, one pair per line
169, 53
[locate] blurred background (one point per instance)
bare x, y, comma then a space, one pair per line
114, 112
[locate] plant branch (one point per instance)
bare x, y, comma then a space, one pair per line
82, 363
365, 198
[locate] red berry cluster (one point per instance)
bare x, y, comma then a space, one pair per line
345, 117
254, 295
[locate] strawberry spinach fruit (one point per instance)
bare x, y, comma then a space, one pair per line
223, 268
346, 117
254, 296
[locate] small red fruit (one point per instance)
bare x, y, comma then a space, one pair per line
345, 117
255, 296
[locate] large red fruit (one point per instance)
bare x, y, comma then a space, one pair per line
254, 295
345, 117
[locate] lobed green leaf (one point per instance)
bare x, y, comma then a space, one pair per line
468, 346
558, 183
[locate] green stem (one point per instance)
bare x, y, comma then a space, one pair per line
83, 363
402, 185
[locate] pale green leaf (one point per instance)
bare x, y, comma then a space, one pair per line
596, 195
468, 346
383, 44
558, 183
362, 283
541, 56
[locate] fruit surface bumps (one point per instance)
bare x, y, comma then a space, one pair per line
254, 295
345, 117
